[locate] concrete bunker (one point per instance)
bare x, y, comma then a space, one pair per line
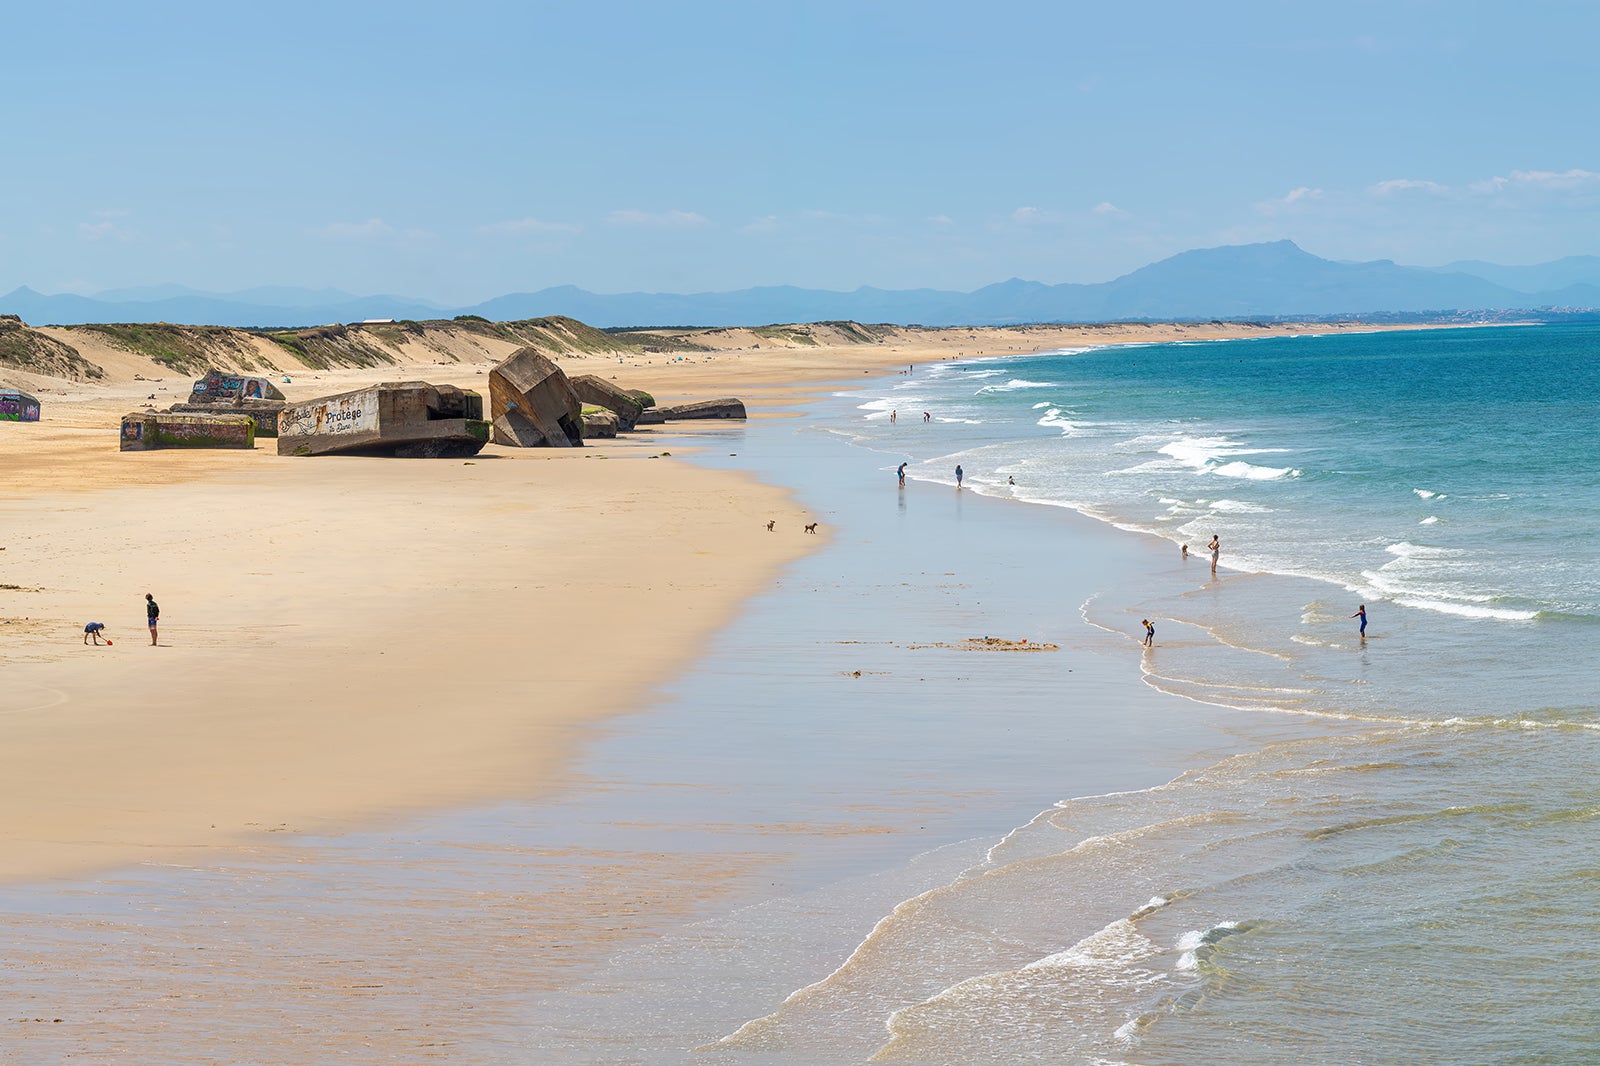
408, 419
728, 407
596, 391
220, 391
533, 404
144, 431
18, 406
220, 386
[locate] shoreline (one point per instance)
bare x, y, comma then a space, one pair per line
765, 775
1125, 736
722, 862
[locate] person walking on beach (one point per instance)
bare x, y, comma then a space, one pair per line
902, 473
1361, 613
927, 417
94, 629
152, 612
1149, 633
1216, 550
958, 475
892, 416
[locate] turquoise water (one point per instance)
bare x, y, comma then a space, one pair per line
1420, 884
1445, 479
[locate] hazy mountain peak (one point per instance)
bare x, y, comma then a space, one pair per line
1266, 279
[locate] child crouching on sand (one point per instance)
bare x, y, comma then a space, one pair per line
94, 629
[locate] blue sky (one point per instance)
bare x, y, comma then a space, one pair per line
459, 151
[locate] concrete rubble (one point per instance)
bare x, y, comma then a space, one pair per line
599, 422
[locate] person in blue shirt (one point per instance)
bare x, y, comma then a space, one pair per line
94, 629
1361, 613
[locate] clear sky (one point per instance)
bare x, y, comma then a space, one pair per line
458, 151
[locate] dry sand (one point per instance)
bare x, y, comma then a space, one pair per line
342, 639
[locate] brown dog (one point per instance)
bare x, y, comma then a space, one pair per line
770, 524
811, 527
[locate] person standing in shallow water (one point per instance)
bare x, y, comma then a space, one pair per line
152, 612
1216, 550
902, 473
1149, 633
958, 475
1361, 613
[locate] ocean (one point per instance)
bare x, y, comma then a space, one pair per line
1420, 880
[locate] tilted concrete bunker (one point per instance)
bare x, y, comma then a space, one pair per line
409, 419
533, 404
598, 392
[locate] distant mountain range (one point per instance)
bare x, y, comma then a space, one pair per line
1275, 280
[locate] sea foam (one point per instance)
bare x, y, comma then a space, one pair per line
1015, 385
1250, 472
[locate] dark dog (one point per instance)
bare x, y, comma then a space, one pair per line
770, 524
811, 527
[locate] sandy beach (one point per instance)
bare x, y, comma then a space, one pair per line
353, 649
519, 572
